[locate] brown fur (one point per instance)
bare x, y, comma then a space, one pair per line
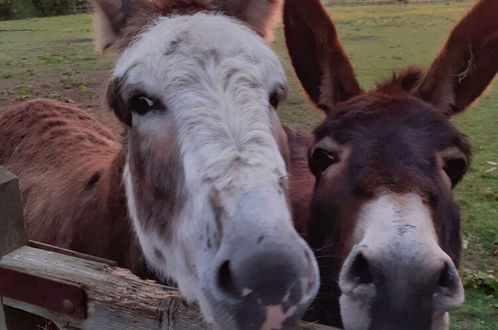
399, 135
467, 63
153, 187
324, 61
301, 181
69, 168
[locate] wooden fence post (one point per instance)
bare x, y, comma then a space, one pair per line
12, 233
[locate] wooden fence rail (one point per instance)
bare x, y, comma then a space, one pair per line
76, 291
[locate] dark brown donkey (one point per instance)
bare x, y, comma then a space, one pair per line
382, 219
201, 174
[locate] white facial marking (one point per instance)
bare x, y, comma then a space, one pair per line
214, 77
219, 102
355, 313
397, 231
396, 218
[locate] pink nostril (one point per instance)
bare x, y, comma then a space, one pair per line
360, 270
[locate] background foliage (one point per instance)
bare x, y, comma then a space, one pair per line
34, 8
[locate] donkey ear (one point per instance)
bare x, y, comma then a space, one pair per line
261, 15
467, 63
112, 16
320, 62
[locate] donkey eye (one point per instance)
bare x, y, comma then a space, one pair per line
322, 159
455, 168
141, 104
274, 100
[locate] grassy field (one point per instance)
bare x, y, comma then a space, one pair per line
54, 57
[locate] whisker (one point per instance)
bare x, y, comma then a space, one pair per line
323, 247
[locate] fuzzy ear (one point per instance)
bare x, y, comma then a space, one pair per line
467, 63
112, 16
320, 62
261, 15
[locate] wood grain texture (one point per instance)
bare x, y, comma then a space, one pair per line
117, 299
12, 233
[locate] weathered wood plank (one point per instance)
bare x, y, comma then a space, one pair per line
43, 246
117, 299
12, 233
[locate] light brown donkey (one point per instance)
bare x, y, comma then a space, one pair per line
199, 185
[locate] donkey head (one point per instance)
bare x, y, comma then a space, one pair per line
206, 167
382, 216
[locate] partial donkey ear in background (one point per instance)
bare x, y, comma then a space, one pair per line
112, 16
467, 63
260, 15
320, 62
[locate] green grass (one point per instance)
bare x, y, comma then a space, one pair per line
51, 57
54, 57
39, 43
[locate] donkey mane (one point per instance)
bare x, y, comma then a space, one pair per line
403, 81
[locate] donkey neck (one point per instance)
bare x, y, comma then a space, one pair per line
107, 217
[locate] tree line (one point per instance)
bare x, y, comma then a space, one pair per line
11, 9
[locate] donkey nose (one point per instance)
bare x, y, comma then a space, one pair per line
268, 284
270, 277
432, 278
263, 271
360, 271
449, 284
